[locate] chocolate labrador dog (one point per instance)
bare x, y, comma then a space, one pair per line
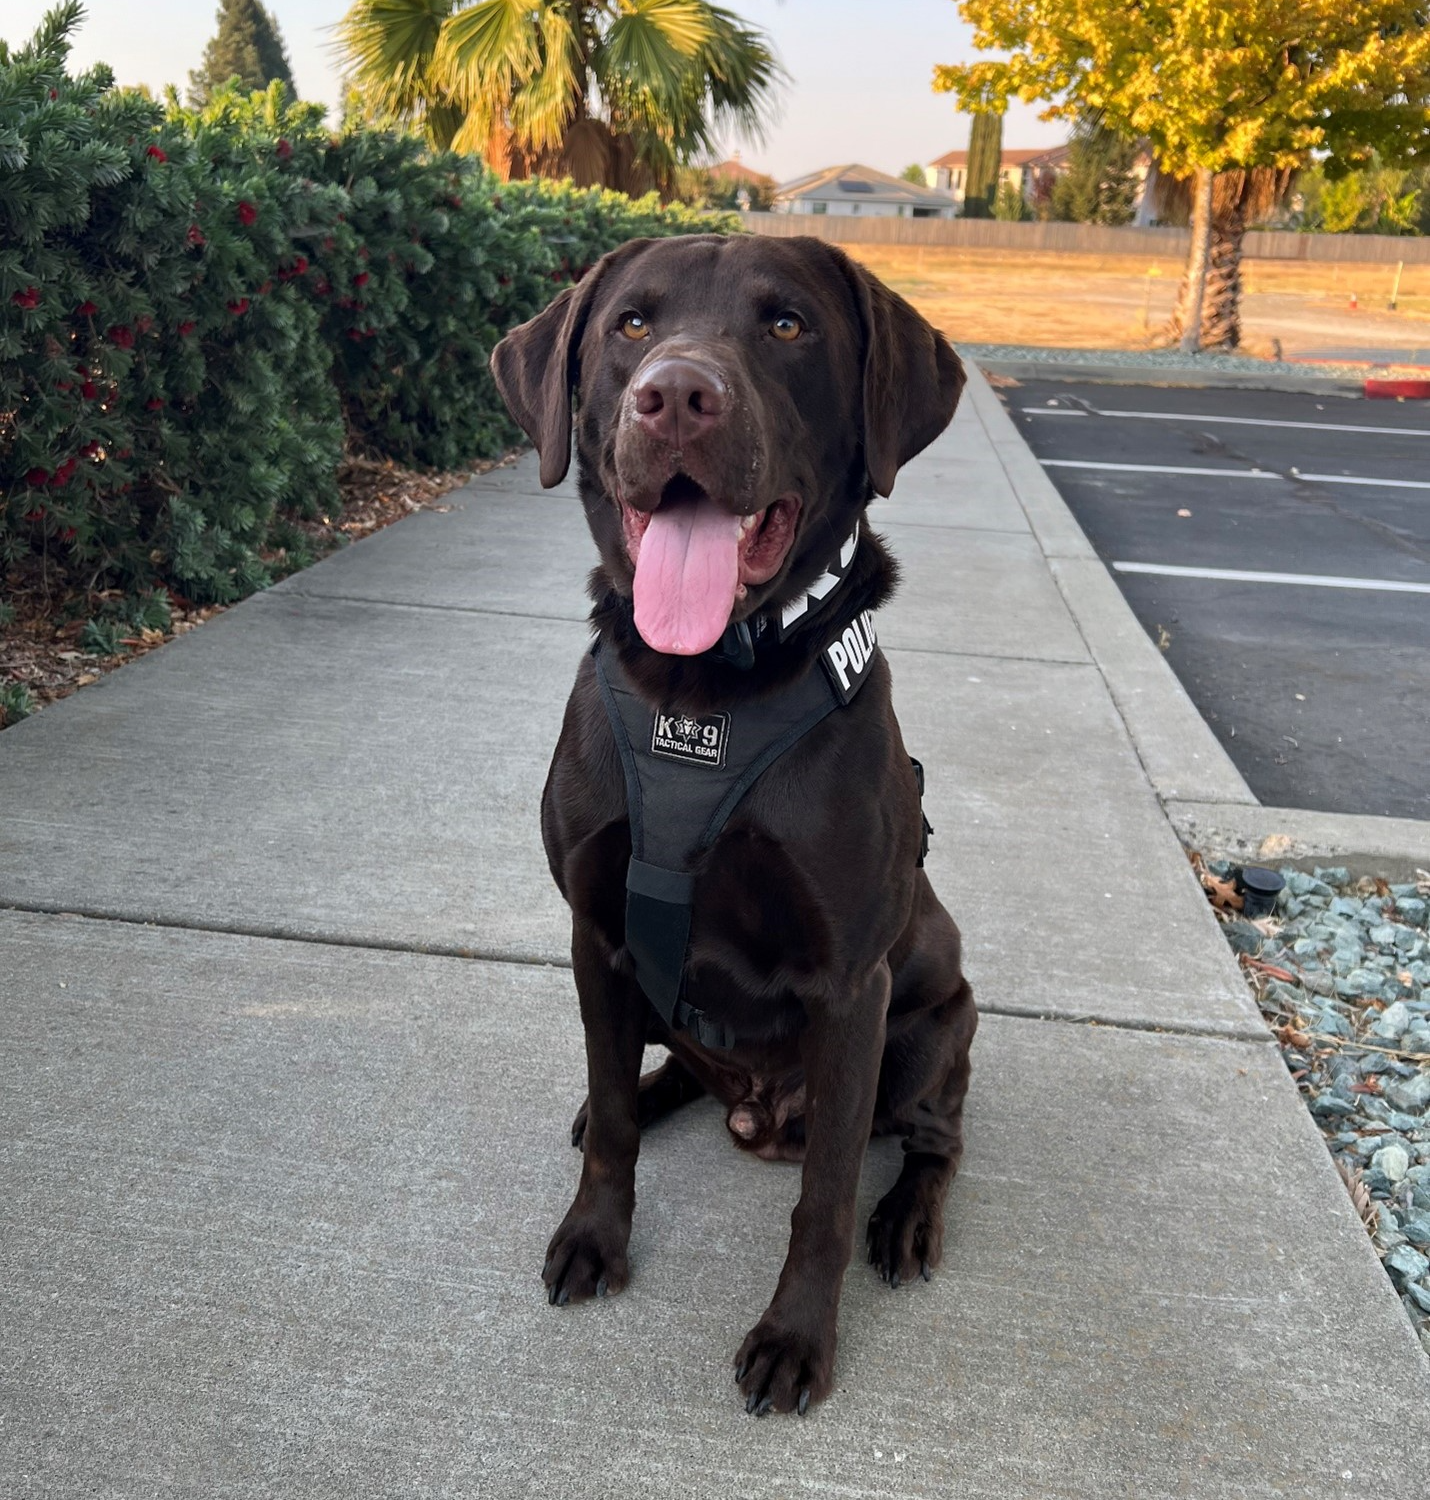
731, 813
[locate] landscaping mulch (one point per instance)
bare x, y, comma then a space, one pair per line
1341, 971
57, 637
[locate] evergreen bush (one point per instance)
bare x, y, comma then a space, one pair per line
197, 309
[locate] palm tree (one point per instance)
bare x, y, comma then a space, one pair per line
1240, 198
620, 93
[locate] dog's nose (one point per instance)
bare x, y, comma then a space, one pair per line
678, 399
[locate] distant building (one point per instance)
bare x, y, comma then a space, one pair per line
1019, 168
855, 189
1026, 169
734, 170
732, 180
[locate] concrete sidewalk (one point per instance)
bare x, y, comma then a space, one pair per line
284, 1106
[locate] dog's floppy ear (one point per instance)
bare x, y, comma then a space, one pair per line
912, 378
536, 367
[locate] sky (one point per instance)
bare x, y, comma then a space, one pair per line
859, 70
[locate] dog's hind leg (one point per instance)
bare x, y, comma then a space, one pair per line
905, 1234
660, 1093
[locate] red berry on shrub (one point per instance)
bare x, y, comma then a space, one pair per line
54, 93
63, 385
238, 308
90, 448
153, 403
144, 324
322, 288
89, 390
454, 202
30, 297
185, 329
196, 235
34, 479
283, 150
362, 252
86, 309
300, 265
361, 279
156, 152
247, 213
68, 534
328, 242
264, 290
122, 336
123, 453
63, 473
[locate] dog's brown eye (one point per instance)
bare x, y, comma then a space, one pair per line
787, 327
635, 327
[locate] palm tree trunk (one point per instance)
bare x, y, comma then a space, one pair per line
1221, 306
1187, 320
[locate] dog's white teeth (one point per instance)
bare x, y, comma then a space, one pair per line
749, 523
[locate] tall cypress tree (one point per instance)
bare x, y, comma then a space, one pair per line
247, 46
985, 156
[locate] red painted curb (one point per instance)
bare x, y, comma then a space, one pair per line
1410, 390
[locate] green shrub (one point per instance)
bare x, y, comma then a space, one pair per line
16, 703
198, 307
166, 388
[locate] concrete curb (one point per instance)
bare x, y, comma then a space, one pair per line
1275, 377
1180, 754
1391, 848
1203, 794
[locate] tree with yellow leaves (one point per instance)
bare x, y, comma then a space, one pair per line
1228, 93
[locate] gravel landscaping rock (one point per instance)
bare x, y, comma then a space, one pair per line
1341, 971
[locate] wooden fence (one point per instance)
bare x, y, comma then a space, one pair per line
1087, 239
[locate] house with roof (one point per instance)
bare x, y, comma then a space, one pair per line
733, 182
857, 189
1019, 168
1026, 169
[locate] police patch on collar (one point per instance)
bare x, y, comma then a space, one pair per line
699, 738
848, 658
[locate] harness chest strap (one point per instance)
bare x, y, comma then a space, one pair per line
685, 775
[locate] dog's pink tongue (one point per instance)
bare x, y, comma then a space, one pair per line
687, 570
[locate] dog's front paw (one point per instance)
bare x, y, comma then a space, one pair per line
586, 1258
781, 1367
905, 1234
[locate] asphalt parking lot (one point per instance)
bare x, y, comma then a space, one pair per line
1277, 547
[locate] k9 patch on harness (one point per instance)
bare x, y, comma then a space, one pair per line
690, 737
847, 659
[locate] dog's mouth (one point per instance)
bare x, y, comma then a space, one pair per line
694, 560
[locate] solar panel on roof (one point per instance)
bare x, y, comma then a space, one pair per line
848, 185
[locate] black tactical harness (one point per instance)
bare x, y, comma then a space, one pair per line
686, 774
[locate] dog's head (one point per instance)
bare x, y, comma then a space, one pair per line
739, 400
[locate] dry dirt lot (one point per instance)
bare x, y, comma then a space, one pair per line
1121, 301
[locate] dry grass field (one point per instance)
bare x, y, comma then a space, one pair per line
1120, 301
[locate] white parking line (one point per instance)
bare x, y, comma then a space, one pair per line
1181, 416
1389, 484
1082, 463
1243, 575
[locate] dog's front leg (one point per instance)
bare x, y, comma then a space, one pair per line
587, 1254
787, 1359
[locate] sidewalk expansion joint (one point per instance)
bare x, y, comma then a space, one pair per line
450, 609
1229, 1032
270, 932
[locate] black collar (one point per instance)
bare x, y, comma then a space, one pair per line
736, 648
